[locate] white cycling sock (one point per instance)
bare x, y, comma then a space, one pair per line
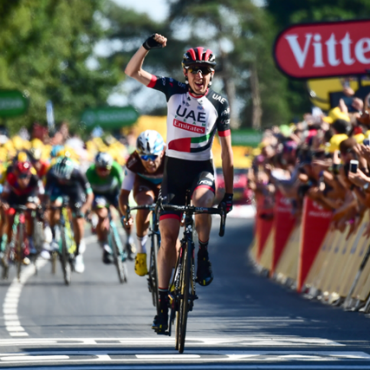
130, 239
81, 247
141, 243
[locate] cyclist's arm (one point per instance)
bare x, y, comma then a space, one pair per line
127, 186
123, 201
87, 188
134, 67
119, 173
227, 163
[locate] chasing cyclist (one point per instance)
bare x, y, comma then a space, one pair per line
22, 187
144, 174
195, 113
105, 177
66, 179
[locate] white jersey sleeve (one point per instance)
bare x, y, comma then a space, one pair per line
129, 180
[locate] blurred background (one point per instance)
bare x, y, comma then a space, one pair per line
62, 63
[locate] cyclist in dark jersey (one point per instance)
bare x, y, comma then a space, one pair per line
105, 177
143, 174
66, 179
22, 187
195, 113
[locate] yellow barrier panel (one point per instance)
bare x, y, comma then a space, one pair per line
318, 265
353, 260
362, 289
361, 250
253, 249
334, 260
339, 269
328, 260
266, 258
288, 263
365, 287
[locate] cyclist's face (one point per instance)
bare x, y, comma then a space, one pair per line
23, 180
103, 172
152, 165
199, 81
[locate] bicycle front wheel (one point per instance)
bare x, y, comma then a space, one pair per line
153, 273
182, 313
120, 265
20, 249
64, 258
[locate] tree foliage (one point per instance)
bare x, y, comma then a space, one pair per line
45, 46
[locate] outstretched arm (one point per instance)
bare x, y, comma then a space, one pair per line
227, 163
134, 67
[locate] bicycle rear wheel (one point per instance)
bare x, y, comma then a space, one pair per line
120, 265
182, 313
64, 258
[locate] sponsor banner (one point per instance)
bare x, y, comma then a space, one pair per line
326, 49
315, 224
246, 137
109, 117
13, 103
284, 223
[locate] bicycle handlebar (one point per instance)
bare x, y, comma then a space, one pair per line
192, 209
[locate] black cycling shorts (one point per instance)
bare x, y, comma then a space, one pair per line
111, 198
76, 194
180, 175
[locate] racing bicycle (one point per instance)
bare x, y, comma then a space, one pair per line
182, 288
155, 242
67, 244
18, 251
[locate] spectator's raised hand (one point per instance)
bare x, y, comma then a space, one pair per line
359, 178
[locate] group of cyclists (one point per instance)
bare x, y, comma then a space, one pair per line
195, 114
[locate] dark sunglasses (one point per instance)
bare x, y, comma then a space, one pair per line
203, 70
24, 175
149, 157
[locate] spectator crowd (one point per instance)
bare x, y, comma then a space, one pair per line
323, 157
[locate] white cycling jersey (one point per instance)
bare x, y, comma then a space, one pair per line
192, 121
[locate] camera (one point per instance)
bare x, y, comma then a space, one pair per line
353, 165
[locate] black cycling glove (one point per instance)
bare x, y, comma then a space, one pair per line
228, 200
150, 43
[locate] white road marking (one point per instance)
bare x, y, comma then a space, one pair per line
167, 357
11, 300
242, 341
196, 360
34, 358
210, 367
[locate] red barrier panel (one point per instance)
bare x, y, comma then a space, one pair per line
264, 223
315, 224
284, 223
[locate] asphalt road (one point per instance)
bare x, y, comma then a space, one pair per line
241, 321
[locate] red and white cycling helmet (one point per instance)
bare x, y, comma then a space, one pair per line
199, 55
23, 167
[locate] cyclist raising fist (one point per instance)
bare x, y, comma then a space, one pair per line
195, 112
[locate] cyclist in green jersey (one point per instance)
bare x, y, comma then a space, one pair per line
105, 177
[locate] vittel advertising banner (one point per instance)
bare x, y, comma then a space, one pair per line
324, 49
